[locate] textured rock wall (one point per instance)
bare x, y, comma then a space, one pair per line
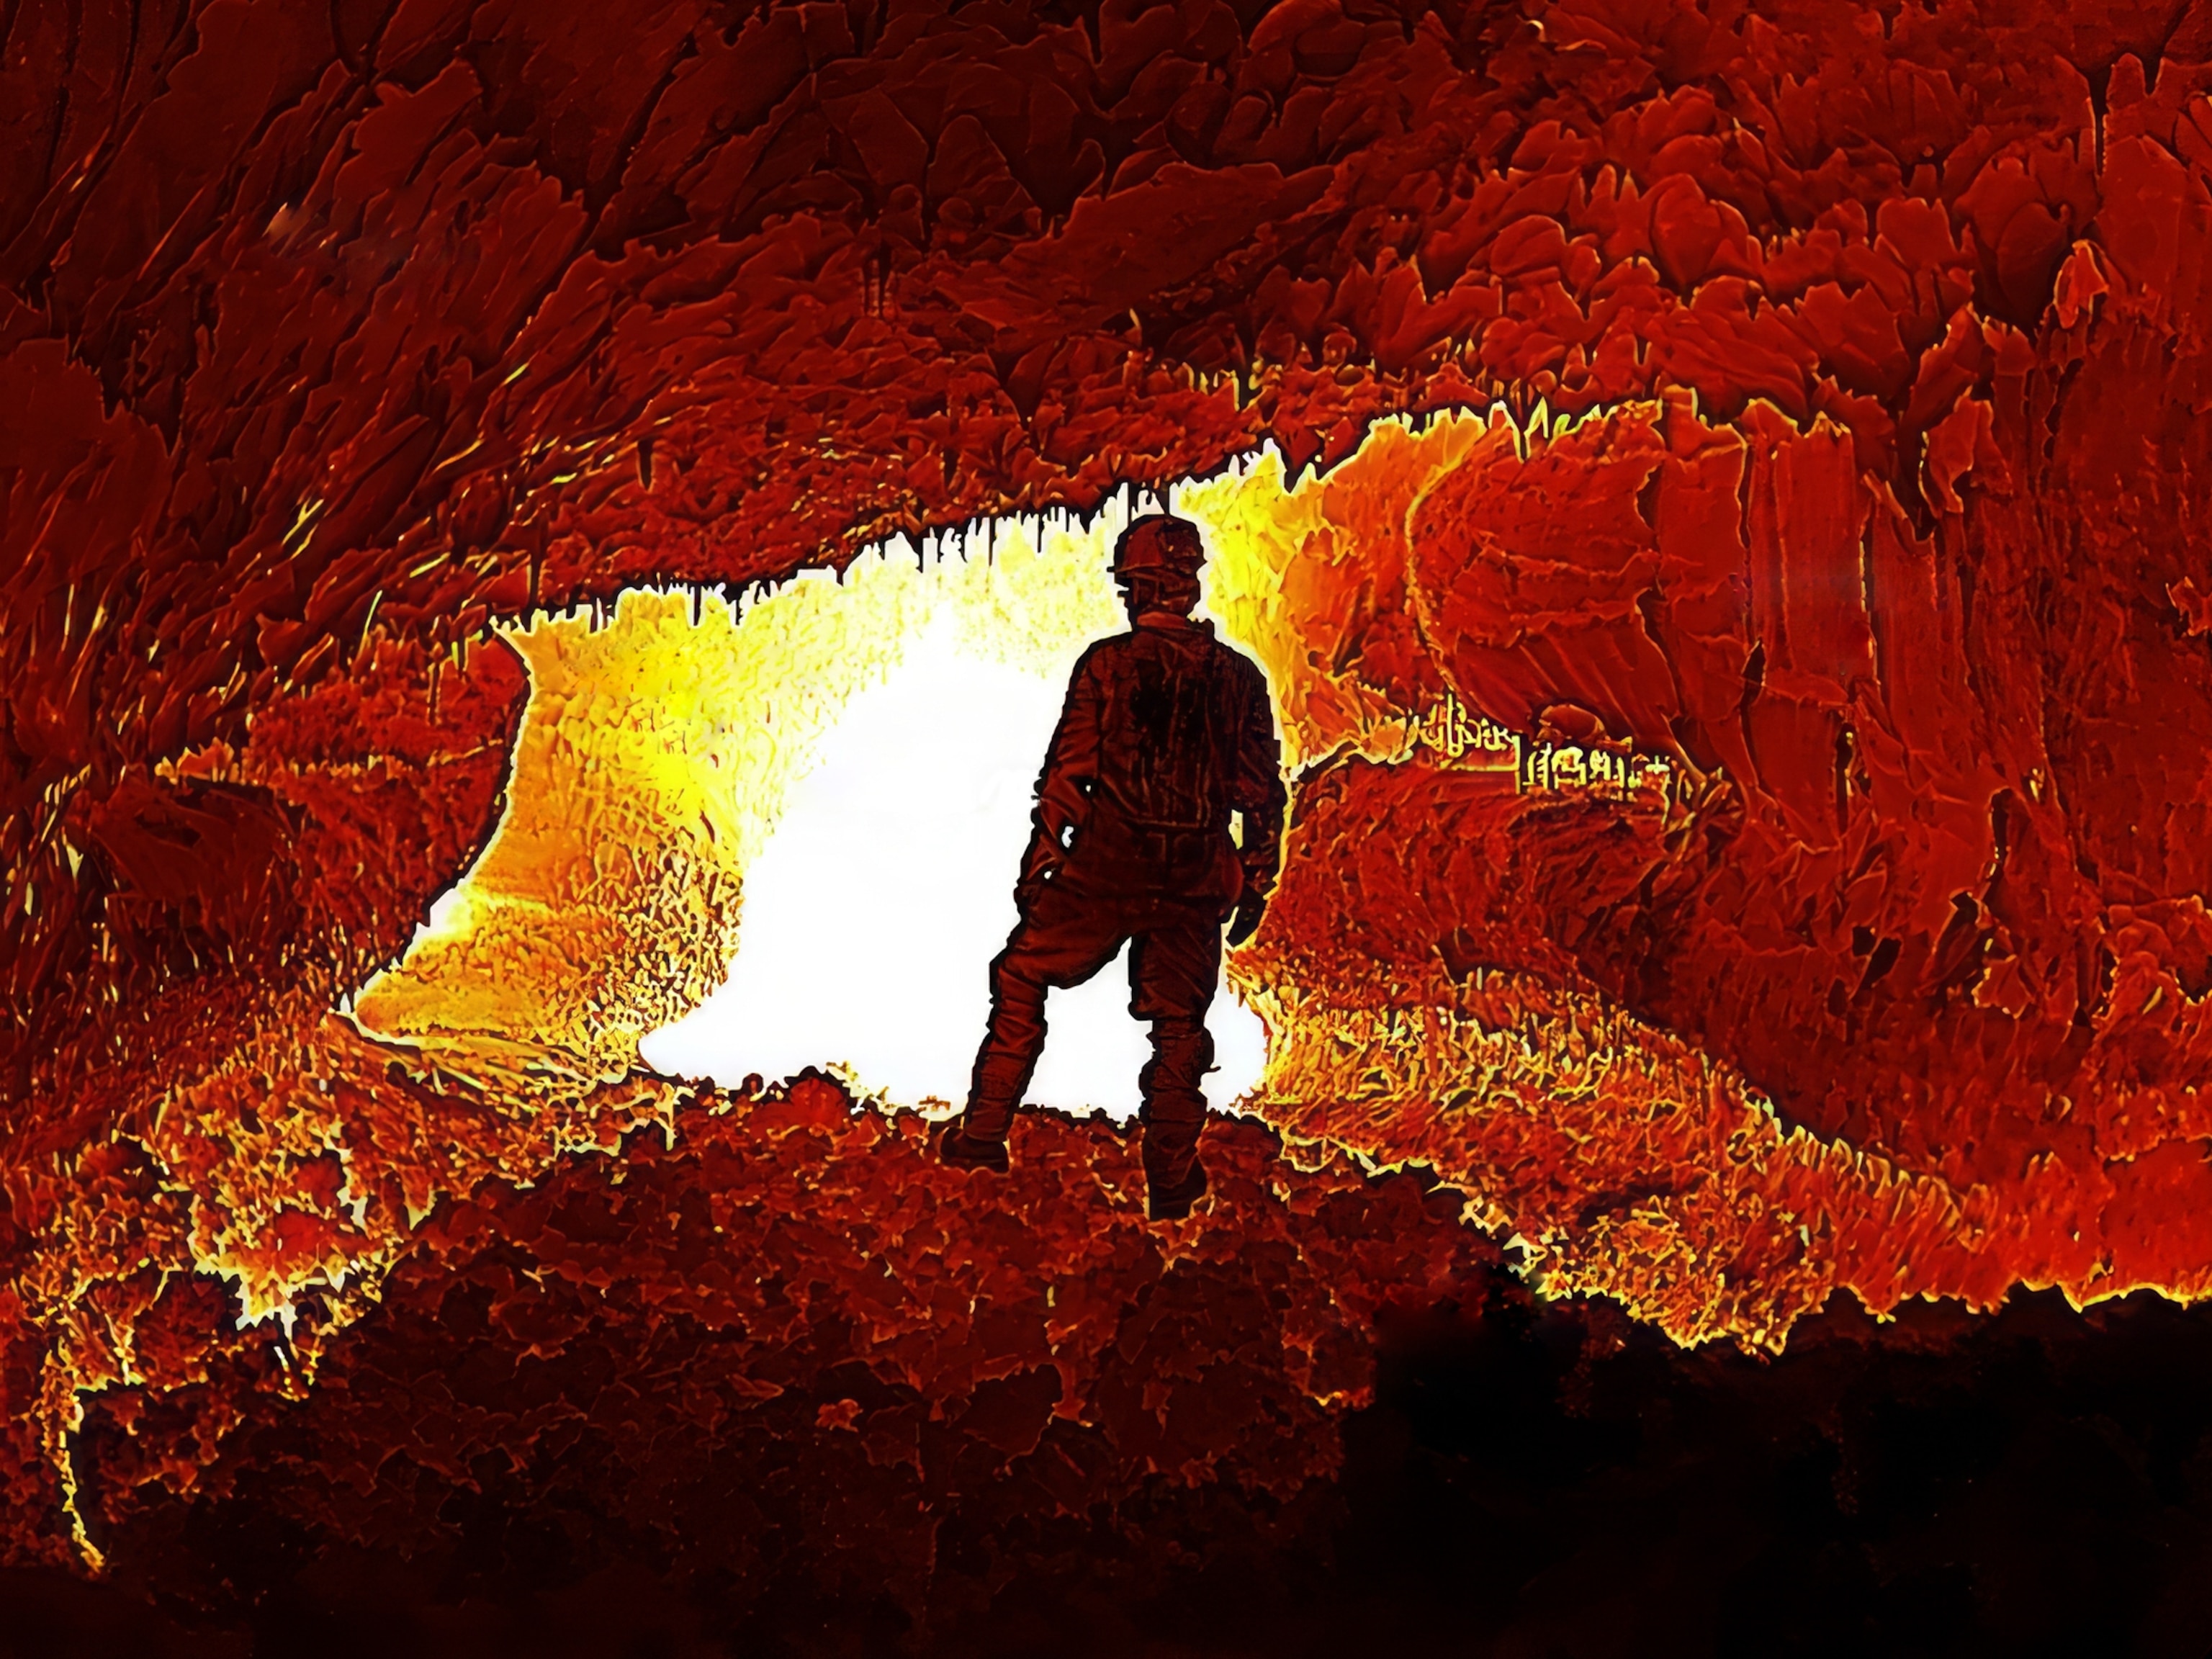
330, 336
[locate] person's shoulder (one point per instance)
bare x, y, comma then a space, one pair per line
1109, 645
1098, 653
1237, 661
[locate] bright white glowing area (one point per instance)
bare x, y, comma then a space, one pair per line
871, 915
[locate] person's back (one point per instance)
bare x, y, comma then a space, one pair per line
1165, 734
1167, 731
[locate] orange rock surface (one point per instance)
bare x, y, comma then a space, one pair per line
1805, 413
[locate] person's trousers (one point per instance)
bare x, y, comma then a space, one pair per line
1064, 937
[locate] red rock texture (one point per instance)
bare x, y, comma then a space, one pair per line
787, 1346
330, 335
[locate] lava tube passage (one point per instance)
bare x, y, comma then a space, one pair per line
746, 837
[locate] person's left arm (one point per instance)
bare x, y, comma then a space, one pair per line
1063, 787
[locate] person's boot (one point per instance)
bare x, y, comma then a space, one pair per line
958, 1149
1172, 1203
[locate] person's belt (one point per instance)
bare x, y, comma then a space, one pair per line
1174, 844
1108, 833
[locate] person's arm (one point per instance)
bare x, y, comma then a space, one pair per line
1063, 787
1257, 792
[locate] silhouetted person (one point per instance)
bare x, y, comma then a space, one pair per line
1165, 733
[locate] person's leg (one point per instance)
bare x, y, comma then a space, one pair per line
1062, 941
1175, 966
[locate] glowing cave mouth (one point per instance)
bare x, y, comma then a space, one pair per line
873, 913
748, 834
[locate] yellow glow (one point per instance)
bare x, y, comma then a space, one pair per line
661, 739
653, 767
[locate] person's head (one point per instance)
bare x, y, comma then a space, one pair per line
1156, 565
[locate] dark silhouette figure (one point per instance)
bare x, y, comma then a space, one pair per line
1165, 733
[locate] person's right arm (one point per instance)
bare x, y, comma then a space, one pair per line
1257, 792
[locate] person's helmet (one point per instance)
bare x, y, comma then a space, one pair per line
1159, 544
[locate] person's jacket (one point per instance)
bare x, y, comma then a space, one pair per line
1165, 732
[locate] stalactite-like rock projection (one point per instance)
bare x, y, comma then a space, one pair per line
1715, 488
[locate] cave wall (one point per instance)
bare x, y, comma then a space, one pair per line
1863, 344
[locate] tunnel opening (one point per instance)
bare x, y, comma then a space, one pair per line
876, 901
747, 833
787, 823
